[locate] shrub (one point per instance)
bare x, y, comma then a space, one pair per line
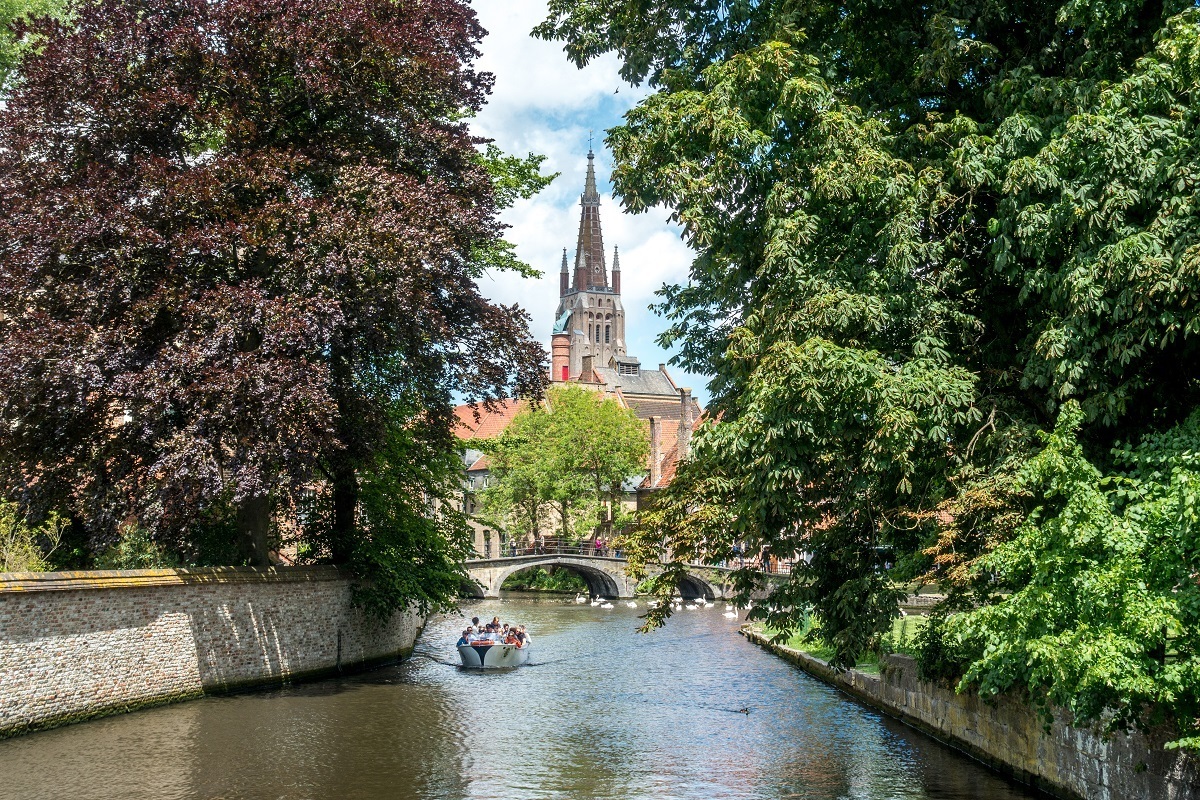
24, 548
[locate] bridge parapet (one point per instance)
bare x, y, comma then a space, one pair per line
605, 575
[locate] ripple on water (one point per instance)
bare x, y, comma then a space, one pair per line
601, 712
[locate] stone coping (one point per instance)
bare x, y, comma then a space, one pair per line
28, 582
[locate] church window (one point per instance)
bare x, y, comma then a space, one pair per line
597, 334
607, 334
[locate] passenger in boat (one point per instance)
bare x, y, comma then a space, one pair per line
466, 637
510, 637
522, 637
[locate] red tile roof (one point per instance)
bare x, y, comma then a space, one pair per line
489, 423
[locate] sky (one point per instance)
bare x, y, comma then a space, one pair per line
541, 103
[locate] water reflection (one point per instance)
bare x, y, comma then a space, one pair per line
602, 712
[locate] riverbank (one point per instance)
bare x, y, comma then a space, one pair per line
1062, 761
81, 645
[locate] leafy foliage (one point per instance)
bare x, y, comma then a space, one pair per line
1104, 613
541, 579
238, 269
920, 230
15, 40
26, 548
570, 457
135, 549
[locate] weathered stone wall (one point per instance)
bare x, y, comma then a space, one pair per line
1064, 761
75, 645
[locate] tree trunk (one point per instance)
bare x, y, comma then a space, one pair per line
345, 511
254, 524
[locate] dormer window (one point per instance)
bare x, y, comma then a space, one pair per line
627, 369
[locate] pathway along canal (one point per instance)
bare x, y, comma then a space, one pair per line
691, 711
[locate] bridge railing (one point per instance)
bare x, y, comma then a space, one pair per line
556, 547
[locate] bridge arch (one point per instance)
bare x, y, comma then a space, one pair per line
602, 580
604, 575
693, 587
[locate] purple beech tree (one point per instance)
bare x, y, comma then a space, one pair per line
239, 248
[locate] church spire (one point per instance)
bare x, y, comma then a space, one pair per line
564, 277
616, 270
589, 252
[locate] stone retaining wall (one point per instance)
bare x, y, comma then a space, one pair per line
1064, 761
75, 645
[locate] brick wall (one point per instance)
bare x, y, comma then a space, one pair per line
1064, 761
75, 645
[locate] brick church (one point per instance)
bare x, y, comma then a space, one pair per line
588, 347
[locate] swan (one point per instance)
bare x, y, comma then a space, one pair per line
690, 607
607, 605
580, 599
730, 615
631, 604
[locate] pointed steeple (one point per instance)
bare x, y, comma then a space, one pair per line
564, 277
589, 251
590, 195
616, 270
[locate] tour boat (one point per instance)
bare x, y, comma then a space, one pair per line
487, 654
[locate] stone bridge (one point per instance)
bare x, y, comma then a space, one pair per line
604, 575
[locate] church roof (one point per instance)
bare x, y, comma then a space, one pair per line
647, 382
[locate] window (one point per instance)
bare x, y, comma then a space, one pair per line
627, 369
597, 334
607, 334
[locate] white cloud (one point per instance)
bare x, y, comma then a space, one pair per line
541, 103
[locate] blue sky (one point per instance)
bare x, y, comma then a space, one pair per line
541, 103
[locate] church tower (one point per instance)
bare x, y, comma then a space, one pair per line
590, 331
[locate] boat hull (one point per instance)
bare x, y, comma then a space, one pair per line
492, 655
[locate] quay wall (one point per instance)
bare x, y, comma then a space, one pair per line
76, 645
1063, 761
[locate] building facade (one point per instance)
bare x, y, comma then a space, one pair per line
590, 312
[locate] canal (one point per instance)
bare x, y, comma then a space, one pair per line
692, 711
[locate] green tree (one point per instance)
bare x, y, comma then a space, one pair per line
26, 548
1101, 611
519, 474
571, 455
15, 43
920, 229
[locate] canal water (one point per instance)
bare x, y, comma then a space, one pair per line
691, 711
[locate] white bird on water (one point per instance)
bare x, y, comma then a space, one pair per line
607, 605
580, 599
631, 604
